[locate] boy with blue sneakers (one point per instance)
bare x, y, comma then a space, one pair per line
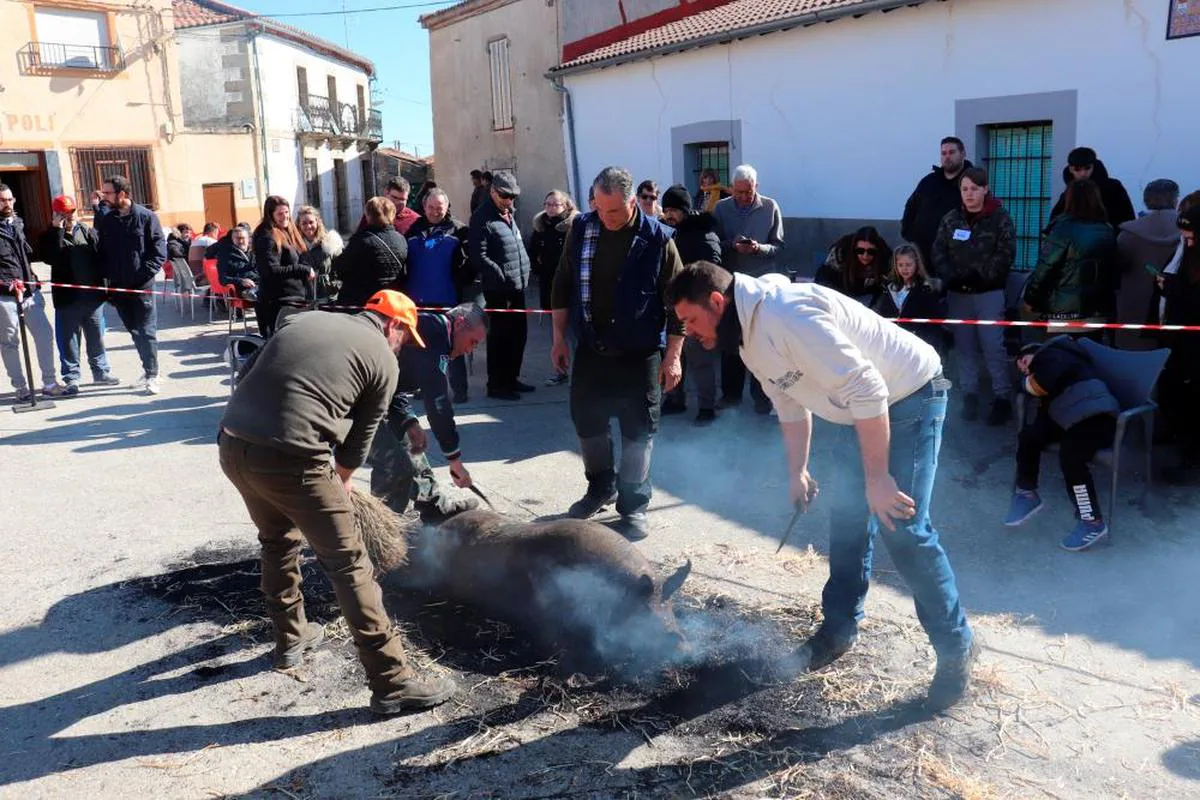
1078, 411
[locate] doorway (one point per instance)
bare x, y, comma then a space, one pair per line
218, 205
25, 174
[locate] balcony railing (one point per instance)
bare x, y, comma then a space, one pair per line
317, 115
37, 57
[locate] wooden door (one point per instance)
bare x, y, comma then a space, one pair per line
218, 205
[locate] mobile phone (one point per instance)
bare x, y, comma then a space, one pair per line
1153, 270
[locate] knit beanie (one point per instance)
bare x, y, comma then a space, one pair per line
677, 197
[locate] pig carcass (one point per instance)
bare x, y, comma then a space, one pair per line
575, 587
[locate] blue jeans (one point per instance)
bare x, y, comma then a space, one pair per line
916, 424
85, 312
139, 315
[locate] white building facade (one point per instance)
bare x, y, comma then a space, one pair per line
307, 101
842, 115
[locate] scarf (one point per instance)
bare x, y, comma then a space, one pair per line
591, 235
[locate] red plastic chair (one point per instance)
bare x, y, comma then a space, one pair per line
224, 291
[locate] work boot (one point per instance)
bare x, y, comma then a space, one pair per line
591, 503
824, 648
951, 681
414, 693
1001, 412
290, 657
634, 527
970, 409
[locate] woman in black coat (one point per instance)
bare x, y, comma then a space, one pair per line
376, 257
856, 264
277, 245
908, 293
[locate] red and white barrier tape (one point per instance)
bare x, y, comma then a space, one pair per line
999, 323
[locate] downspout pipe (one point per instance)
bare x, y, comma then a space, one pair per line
265, 182
569, 119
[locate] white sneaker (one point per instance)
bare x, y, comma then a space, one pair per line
150, 385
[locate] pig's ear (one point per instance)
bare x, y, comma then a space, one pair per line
671, 585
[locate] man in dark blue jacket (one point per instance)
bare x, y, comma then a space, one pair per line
132, 251
611, 289
498, 256
400, 470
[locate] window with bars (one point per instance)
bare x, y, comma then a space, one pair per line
312, 183
1020, 168
91, 166
710, 155
502, 110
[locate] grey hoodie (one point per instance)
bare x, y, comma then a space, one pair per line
1152, 240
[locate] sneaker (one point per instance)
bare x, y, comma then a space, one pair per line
823, 648
705, 417
634, 527
1086, 534
951, 680
70, 389
1025, 503
557, 380
290, 658
970, 409
55, 390
1001, 412
591, 503
24, 396
413, 694
150, 384
106, 379
671, 407
523, 388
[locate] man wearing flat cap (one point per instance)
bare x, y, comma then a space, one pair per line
499, 258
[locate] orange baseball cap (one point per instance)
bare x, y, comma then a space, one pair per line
62, 204
397, 306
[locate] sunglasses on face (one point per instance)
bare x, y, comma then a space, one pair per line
649, 197
864, 251
506, 196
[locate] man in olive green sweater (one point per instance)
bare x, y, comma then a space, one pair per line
323, 382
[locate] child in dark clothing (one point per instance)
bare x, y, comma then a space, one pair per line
909, 292
1077, 410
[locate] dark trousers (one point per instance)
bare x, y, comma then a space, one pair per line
84, 313
292, 499
625, 387
733, 381
1179, 395
506, 339
398, 475
1077, 446
139, 315
267, 314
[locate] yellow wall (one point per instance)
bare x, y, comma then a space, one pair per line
138, 106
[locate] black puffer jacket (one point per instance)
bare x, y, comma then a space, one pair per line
375, 258
697, 240
546, 243
974, 253
496, 250
1112, 192
236, 265
922, 302
284, 277
15, 254
931, 201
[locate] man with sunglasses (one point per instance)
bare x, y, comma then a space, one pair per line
498, 256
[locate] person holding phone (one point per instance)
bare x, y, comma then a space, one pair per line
751, 229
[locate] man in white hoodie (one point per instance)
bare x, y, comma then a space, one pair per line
818, 352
